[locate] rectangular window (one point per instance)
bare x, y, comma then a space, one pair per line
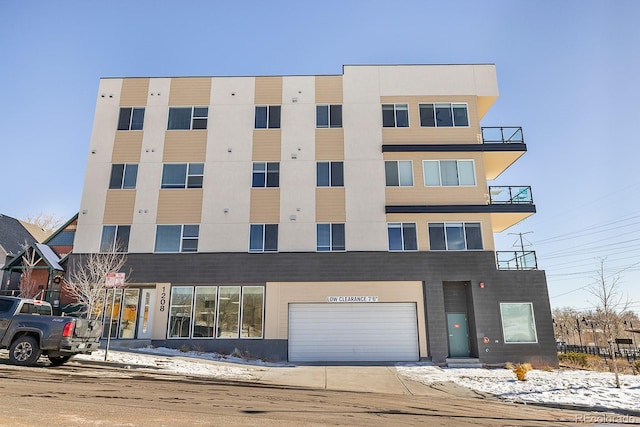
204, 316
399, 173
444, 115
182, 175
263, 238
252, 312
177, 238
402, 236
443, 173
330, 174
329, 116
266, 174
395, 115
186, 118
267, 117
131, 119
228, 311
123, 176
330, 238
180, 312
209, 312
518, 323
455, 236
115, 238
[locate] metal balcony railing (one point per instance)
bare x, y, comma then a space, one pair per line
510, 195
516, 260
502, 135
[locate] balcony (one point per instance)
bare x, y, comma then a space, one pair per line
516, 260
502, 135
508, 195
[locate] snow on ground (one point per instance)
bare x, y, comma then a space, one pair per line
563, 387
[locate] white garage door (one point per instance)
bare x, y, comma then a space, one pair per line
353, 332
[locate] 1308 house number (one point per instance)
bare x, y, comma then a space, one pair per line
163, 298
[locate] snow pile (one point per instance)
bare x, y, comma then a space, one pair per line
566, 387
186, 364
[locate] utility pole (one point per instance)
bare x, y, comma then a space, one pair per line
521, 239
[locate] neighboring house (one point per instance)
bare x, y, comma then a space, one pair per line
316, 218
50, 258
14, 236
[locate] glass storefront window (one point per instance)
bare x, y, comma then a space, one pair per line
518, 324
180, 312
205, 311
111, 313
252, 309
129, 313
228, 311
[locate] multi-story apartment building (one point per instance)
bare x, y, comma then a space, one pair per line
315, 218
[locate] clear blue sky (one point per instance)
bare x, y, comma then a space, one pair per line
568, 72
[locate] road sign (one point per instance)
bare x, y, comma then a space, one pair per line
114, 280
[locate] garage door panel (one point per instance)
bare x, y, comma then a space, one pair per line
353, 332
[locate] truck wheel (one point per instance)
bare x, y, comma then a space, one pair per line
58, 360
24, 351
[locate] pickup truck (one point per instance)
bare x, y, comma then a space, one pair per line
28, 330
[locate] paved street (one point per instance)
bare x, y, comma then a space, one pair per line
96, 394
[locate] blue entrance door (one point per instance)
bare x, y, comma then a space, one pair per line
458, 335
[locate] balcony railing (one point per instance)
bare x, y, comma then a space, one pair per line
502, 135
510, 195
516, 260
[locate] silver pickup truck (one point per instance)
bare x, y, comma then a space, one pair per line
28, 330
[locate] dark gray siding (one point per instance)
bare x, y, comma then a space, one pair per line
433, 269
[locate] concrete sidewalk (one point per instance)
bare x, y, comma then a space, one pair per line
372, 379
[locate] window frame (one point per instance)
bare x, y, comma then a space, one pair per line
439, 165
332, 247
532, 324
270, 174
269, 117
398, 173
130, 122
401, 225
263, 238
122, 178
182, 238
330, 178
193, 118
434, 115
396, 110
185, 178
451, 224
332, 110
188, 297
114, 241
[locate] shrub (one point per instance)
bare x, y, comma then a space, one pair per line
574, 359
519, 369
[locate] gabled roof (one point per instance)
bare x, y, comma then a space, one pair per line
60, 229
36, 231
46, 253
49, 256
13, 235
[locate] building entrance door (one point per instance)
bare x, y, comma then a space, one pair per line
458, 335
145, 313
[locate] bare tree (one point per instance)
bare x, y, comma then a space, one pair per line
48, 222
28, 287
86, 279
610, 304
